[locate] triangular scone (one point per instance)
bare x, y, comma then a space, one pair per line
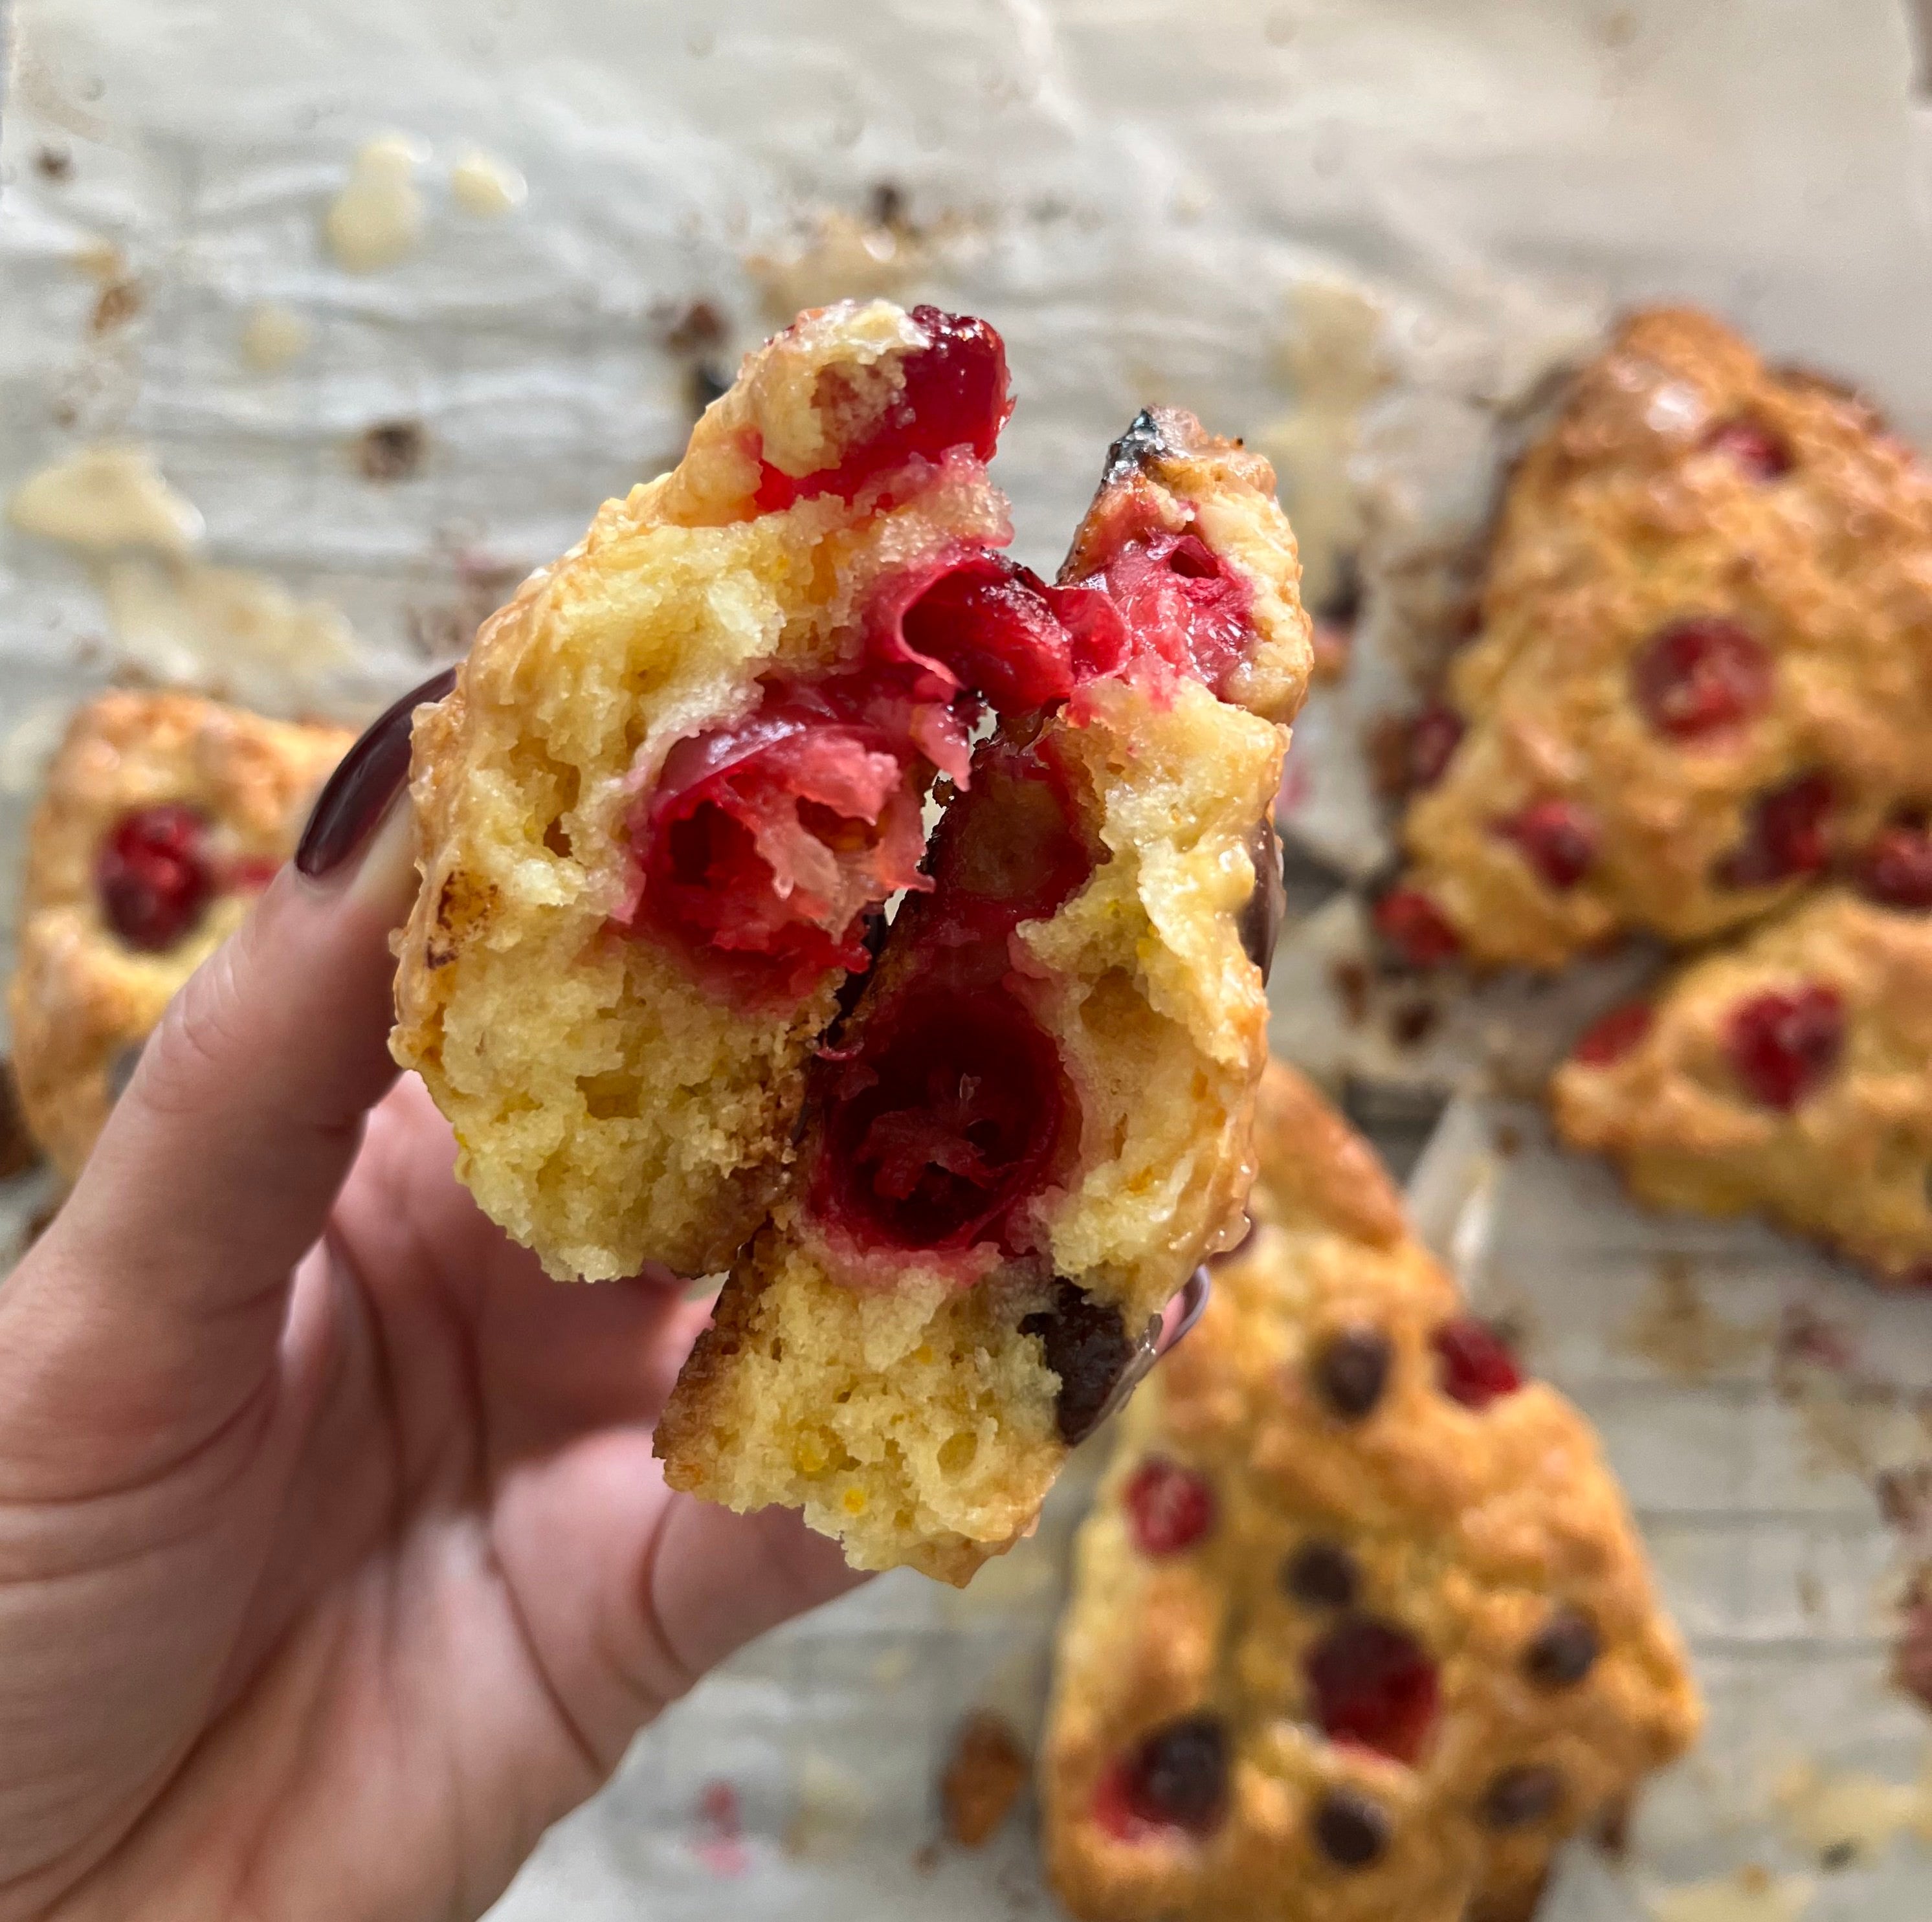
163, 816
681, 771
1702, 672
1790, 1073
1036, 1120
1361, 1628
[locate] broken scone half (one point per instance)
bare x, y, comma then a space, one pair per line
681, 771
1035, 1121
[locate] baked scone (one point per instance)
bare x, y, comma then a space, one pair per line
682, 769
1790, 1073
164, 814
1036, 1119
1701, 673
1360, 1626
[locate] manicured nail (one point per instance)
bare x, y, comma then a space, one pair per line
1193, 1298
360, 791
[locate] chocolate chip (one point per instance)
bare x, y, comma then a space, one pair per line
1180, 1774
1321, 1575
1520, 1796
1349, 1829
1088, 1348
1143, 443
1260, 919
1565, 1651
1352, 1371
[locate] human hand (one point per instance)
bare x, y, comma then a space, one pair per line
335, 1565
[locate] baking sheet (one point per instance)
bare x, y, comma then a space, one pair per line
1364, 232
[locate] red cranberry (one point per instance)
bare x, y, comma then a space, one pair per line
1896, 870
1473, 1365
1782, 1045
1611, 1037
990, 624
1698, 677
1178, 1778
1433, 737
1373, 1686
1558, 839
1416, 928
1760, 452
1784, 836
955, 395
154, 876
1169, 1508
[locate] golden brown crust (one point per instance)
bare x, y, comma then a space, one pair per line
1684, 480
904, 1406
1850, 1163
1468, 1528
625, 1112
81, 996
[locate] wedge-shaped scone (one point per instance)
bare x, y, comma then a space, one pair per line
1702, 672
163, 816
1359, 1627
680, 773
1790, 1075
1036, 1120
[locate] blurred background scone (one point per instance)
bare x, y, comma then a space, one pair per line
1361, 1626
163, 816
1701, 676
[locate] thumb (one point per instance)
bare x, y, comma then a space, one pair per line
216, 1169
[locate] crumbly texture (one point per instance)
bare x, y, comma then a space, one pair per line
82, 999
909, 1403
1685, 480
1468, 1530
609, 1108
1850, 1163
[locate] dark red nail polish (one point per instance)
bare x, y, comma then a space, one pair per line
358, 794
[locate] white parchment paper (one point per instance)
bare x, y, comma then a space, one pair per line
1361, 231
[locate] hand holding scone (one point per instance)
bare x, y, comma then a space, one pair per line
332, 1553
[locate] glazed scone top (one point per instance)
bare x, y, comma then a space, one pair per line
1705, 668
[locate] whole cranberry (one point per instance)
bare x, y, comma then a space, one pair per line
1758, 450
1372, 1685
1169, 1508
1611, 1037
1558, 837
1474, 1367
1416, 928
1696, 678
154, 876
1782, 1045
1433, 737
1896, 870
1784, 835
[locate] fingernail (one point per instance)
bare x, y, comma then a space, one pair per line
359, 792
1194, 1294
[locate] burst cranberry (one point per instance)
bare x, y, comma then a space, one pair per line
1472, 1365
154, 876
1434, 736
1698, 677
1180, 604
1416, 928
954, 395
1784, 835
1782, 1045
1558, 838
1611, 1037
1760, 452
1373, 1686
1177, 1779
1169, 1508
1896, 870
